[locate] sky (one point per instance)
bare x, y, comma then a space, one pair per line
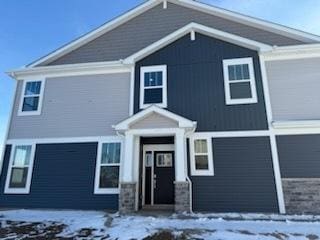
31, 29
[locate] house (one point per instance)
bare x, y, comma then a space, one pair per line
175, 104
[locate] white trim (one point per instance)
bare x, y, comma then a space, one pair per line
64, 140
250, 21
65, 70
192, 35
96, 33
165, 4
26, 189
235, 39
131, 100
300, 131
227, 134
97, 189
152, 148
273, 141
125, 124
23, 96
194, 171
296, 124
228, 82
147, 69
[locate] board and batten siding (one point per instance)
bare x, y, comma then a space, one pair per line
63, 178
294, 88
243, 178
195, 84
155, 24
76, 106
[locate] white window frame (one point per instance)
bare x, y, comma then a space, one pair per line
251, 80
197, 172
26, 189
158, 68
97, 189
40, 95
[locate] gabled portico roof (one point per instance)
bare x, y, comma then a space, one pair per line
182, 122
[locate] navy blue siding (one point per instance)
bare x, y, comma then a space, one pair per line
243, 178
63, 177
299, 156
196, 85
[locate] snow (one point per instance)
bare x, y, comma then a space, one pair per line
204, 226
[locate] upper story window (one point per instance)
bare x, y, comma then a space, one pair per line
153, 86
31, 98
239, 81
201, 156
108, 168
20, 169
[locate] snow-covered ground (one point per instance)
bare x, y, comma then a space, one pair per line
18, 224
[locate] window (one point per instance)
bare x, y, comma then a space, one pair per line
20, 169
31, 98
108, 168
239, 81
153, 86
201, 156
164, 160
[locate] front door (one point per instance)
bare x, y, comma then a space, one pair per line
163, 176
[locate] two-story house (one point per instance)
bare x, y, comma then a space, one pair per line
175, 104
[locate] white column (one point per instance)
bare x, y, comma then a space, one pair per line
180, 163
127, 166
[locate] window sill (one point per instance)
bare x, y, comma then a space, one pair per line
107, 191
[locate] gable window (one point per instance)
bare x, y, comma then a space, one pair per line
239, 81
108, 168
201, 156
20, 169
31, 98
153, 86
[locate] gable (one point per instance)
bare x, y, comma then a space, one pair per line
155, 120
155, 24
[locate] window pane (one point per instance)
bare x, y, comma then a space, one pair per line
240, 90
110, 153
109, 177
164, 160
153, 79
153, 95
200, 146
30, 104
201, 162
22, 156
18, 177
32, 88
239, 72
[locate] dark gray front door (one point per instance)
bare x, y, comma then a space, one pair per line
163, 177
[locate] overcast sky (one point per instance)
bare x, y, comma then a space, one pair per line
33, 28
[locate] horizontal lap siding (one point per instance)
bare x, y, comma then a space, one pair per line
63, 177
155, 24
76, 106
243, 180
299, 156
196, 86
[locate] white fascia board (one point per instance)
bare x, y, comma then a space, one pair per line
182, 122
96, 33
200, 29
69, 70
250, 21
293, 52
296, 124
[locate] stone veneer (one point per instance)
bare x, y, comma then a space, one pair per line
302, 195
182, 197
127, 198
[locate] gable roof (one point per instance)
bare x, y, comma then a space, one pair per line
268, 26
182, 122
192, 28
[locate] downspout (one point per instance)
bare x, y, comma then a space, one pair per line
188, 133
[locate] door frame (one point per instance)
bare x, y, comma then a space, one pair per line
152, 148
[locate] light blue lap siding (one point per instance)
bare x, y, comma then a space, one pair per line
243, 178
63, 178
76, 106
